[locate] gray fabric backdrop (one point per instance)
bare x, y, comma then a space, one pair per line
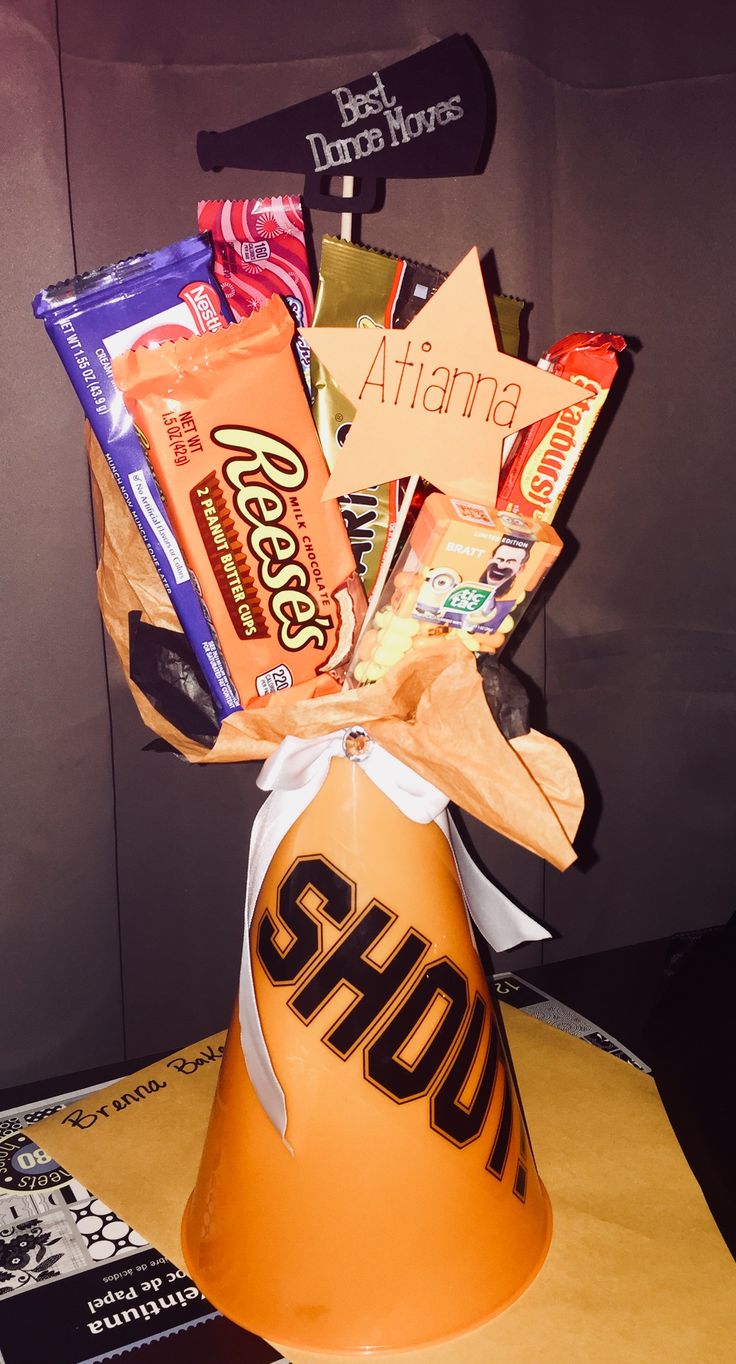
606, 203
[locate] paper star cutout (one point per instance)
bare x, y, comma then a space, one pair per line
437, 398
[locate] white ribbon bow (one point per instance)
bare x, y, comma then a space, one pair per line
294, 774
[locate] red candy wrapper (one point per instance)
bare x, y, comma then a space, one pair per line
259, 250
545, 455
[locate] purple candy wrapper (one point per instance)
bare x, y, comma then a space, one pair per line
146, 300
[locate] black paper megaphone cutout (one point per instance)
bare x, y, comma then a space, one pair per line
430, 115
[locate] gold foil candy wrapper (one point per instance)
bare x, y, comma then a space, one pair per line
508, 312
356, 289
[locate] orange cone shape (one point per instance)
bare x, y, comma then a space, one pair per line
411, 1209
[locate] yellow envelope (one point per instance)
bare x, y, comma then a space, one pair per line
637, 1270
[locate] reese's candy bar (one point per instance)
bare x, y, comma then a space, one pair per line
145, 300
543, 457
228, 431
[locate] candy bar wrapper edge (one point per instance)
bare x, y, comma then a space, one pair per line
434, 717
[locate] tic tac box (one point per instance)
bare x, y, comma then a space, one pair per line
467, 568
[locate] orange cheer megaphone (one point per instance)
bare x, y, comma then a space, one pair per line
406, 1208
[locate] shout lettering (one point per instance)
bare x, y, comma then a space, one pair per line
409, 1077
422, 1037
460, 1122
373, 986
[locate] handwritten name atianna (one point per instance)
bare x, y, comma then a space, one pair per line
411, 382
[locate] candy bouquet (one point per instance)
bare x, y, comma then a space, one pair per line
301, 562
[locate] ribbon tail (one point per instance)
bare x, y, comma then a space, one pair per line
275, 817
501, 922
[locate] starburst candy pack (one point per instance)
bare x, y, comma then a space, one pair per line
544, 457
